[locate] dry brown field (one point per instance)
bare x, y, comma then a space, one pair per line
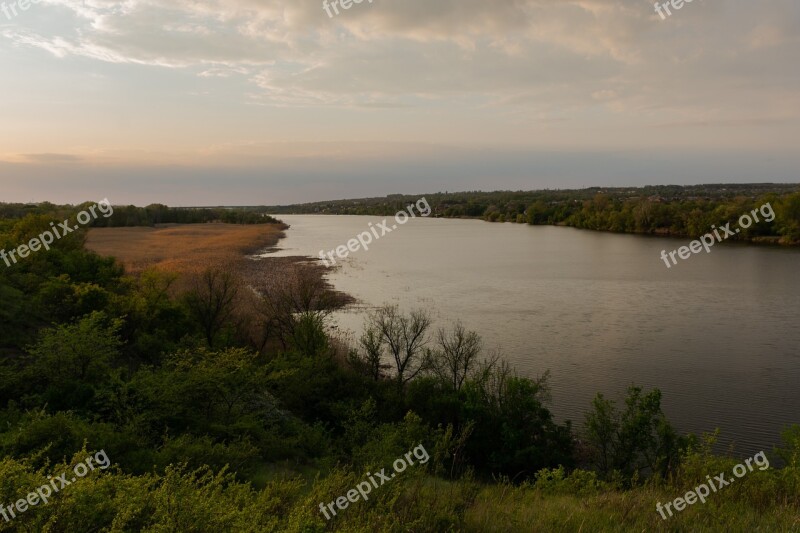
182, 248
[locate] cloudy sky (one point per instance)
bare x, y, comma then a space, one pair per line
208, 102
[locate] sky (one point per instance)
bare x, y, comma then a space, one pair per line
264, 102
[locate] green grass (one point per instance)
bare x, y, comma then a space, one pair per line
414, 502
496, 510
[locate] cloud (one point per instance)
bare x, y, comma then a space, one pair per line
51, 158
393, 53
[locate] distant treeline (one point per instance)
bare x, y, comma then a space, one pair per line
662, 210
147, 216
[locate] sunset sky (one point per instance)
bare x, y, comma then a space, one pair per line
244, 102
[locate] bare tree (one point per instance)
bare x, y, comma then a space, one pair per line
212, 299
292, 295
493, 376
368, 358
458, 355
405, 336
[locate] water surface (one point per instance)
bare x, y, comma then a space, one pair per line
717, 333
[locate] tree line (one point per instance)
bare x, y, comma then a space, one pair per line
131, 215
688, 211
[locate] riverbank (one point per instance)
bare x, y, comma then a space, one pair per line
673, 211
667, 233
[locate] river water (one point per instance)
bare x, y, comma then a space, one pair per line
718, 333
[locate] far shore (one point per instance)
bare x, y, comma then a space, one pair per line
665, 233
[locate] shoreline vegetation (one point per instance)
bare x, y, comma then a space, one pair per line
226, 402
663, 211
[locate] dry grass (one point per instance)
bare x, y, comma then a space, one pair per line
184, 248
186, 251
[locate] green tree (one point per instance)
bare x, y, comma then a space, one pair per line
368, 358
634, 442
71, 362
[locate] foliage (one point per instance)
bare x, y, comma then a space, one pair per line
210, 429
635, 442
688, 211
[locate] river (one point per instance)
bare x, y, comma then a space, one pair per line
718, 333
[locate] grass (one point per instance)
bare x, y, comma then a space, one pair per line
181, 248
499, 510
